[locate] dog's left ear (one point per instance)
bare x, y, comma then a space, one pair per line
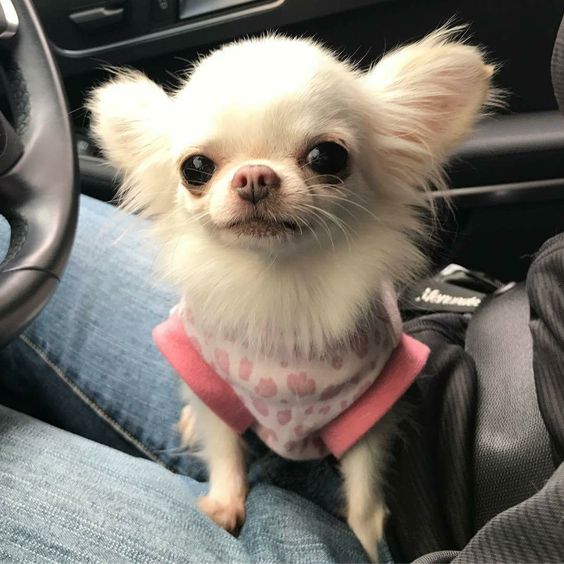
429, 94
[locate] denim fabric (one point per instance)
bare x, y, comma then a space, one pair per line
4, 237
66, 499
96, 475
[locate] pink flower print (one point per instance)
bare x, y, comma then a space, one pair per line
222, 360
266, 388
301, 430
305, 444
284, 364
355, 379
300, 385
324, 410
337, 362
309, 410
331, 391
261, 406
360, 345
284, 416
290, 446
318, 444
245, 368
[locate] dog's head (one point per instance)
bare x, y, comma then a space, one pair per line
275, 145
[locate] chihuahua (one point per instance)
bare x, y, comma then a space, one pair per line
289, 190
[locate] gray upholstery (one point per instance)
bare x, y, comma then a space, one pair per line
529, 532
517, 344
512, 447
558, 67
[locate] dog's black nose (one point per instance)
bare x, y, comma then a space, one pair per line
254, 183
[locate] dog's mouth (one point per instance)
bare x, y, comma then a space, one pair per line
260, 227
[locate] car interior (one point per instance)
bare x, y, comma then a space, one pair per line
506, 181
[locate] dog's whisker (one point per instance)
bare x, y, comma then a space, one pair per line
200, 216
310, 227
336, 200
352, 202
339, 223
198, 170
334, 189
321, 221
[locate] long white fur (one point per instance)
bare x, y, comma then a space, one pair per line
263, 101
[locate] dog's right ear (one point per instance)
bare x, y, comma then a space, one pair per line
129, 116
130, 121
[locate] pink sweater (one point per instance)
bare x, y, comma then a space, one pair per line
301, 408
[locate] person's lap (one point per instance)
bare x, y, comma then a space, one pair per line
87, 365
67, 499
93, 341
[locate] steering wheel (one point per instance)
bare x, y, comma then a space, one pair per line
38, 170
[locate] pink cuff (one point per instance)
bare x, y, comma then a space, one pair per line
176, 347
403, 366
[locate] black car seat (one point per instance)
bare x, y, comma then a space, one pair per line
479, 473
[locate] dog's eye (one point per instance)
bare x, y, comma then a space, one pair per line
327, 158
197, 170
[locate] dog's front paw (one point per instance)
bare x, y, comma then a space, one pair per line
228, 515
369, 529
187, 427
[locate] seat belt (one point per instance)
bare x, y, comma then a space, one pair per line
454, 289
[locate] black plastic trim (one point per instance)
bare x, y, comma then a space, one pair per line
504, 194
98, 178
511, 148
216, 27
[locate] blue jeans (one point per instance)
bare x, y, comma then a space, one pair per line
90, 465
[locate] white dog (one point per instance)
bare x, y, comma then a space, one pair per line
287, 187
